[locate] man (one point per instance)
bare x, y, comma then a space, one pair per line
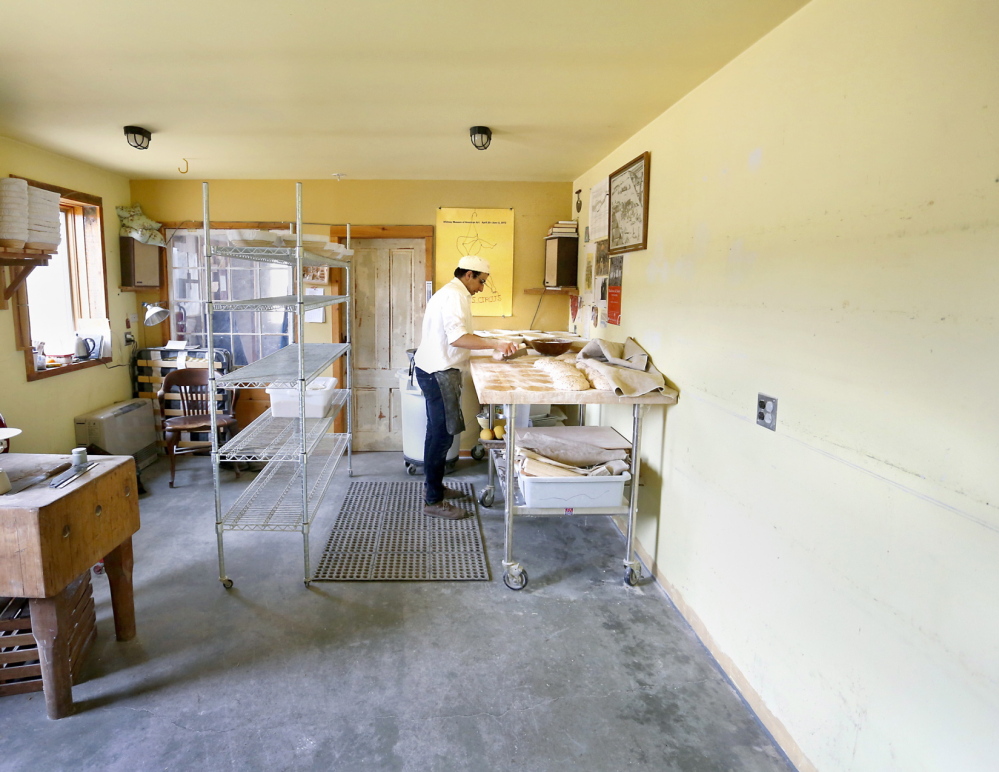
440, 359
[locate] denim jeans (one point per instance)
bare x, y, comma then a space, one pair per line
438, 441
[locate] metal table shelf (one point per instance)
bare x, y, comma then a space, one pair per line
280, 369
270, 438
517, 383
284, 303
284, 255
273, 501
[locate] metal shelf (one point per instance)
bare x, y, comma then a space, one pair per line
273, 501
283, 255
280, 369
284, 303
270, 438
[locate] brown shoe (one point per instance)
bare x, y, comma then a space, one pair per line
452, 493
445, 510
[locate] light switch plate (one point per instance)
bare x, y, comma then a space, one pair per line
766, 412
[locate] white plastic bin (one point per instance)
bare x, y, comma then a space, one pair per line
318, 396
414, 426
571, 492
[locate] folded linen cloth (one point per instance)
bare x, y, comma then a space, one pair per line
627, 366
572, 453
535, 465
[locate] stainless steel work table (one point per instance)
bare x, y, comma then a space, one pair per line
517, 382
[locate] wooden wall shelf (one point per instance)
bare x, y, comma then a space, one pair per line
552, 291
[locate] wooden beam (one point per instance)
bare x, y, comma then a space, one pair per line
383, 231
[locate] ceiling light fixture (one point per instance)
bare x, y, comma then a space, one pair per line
481, 136
138, 137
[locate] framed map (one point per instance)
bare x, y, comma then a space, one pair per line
629, 206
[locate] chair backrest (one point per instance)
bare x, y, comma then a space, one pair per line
192, 386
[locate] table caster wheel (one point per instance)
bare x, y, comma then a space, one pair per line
449, 466
487, 498
411, 469
478, 452
515, 583
631, 577
227, 583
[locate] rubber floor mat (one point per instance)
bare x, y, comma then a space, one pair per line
382, 535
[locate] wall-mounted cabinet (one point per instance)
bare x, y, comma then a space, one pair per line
140, 265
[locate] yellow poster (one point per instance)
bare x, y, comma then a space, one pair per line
487, 233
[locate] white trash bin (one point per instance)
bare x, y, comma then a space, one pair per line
414, 426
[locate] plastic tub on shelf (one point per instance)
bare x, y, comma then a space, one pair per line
318, 397
571, 492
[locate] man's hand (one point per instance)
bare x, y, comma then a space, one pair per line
505, 347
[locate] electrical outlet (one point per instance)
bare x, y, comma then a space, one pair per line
766, 412
129, 338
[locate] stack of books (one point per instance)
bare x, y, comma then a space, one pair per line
565, 229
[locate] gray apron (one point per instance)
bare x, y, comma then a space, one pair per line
450, 385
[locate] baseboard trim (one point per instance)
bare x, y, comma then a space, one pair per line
739, 682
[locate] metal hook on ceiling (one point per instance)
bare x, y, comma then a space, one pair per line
186, 168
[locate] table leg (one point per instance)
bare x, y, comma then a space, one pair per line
51, 627
118, 566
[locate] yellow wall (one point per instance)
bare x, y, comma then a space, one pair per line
45, 409
825, 229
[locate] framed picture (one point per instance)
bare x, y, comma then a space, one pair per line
316, 274
629, 206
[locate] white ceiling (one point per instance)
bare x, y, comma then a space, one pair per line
375, 89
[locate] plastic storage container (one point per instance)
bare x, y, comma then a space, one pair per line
318, 396
571, 492
414, 426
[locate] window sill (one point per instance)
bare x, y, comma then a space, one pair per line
37, 375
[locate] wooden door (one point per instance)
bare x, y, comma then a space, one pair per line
389, 298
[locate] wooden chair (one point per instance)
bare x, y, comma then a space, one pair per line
193, 387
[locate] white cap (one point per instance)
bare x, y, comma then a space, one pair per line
474, 263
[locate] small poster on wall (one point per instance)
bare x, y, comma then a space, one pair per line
601, 276
599, 210
614, 290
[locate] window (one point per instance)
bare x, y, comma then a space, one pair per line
67, 297
248, 335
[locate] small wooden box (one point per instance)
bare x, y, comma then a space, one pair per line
20, 669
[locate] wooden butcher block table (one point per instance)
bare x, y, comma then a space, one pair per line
51, 536
518, 382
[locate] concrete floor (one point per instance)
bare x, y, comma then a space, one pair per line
576, 672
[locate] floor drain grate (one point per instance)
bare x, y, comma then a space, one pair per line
381, 534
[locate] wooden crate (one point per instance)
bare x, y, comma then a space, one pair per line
20, 671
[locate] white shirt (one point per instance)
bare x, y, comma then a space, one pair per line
447, 318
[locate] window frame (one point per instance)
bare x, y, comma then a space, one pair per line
89, 219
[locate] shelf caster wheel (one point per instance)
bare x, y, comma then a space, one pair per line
478, 452
411, 469
227, 583
308, 583
449, 466
487, 498
631, 577
518, 582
